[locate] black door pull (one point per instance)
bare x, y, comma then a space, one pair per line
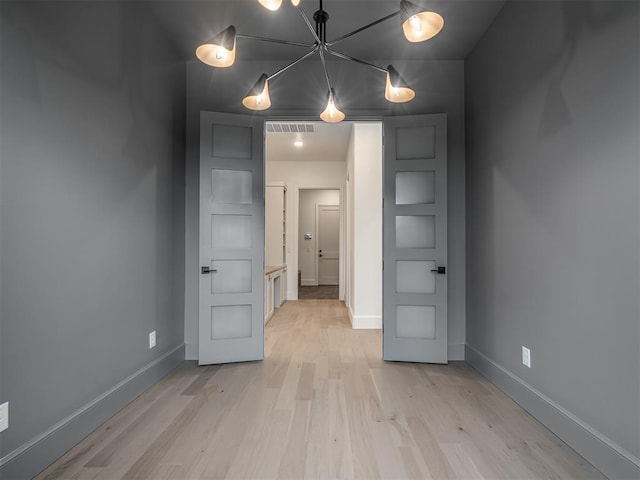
440, 270
208, 270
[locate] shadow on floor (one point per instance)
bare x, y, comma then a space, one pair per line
321, 292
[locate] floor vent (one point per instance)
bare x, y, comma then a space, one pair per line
289, 127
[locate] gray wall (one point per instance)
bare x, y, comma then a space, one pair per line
439, 87
92, 213
553, 209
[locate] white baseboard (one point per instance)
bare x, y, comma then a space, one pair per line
607, 456
365, 322
328, 281
309, 282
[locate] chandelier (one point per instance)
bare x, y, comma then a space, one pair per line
418, 25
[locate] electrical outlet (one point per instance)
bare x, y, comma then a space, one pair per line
152, 339
526, 357
4, 416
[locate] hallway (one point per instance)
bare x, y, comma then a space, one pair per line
322, 405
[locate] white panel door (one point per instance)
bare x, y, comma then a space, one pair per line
231, 238
328, 255
415, 239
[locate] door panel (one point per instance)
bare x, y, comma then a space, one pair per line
231, 238
415, 239
328, 232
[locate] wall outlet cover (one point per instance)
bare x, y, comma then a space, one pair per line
152, 339
526, 357
4, 416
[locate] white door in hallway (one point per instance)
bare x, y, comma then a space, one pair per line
415, 239
231, 316
328, 255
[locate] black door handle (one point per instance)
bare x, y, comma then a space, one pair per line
204, 270
440, 270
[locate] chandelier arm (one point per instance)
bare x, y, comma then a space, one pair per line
283, 69
358, 30
347, 57
275, 40
324, 67
308, 22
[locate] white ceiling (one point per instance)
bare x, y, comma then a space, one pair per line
190, 23
327, 143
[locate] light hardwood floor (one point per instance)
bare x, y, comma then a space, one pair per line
322, 405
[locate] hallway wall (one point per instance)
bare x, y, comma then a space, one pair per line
553, 261
91, 219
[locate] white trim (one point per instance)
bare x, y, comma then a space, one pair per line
365, 322
606, 455
308, 282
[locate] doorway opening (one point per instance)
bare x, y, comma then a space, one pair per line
318, 238
330, 176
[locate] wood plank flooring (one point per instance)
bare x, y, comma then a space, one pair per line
322, 405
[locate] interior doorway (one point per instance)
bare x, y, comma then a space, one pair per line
318, 244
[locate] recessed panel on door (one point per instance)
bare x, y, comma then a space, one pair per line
231, 232
231, 187
230, 321
231, 141
231, 276
415, 143
415, 276
416, 321
416, 188
415, 231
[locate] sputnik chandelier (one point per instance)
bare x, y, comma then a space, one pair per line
418, 25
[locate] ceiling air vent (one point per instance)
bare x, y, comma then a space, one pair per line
290, 127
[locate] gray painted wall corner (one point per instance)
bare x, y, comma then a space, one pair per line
552, 184
36, 455
602, 452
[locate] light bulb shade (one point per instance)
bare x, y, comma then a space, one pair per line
332, 113
258, 98
397, 90
295, 3
220, 51
271, 4
419, 25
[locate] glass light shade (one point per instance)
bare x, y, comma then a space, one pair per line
418, 25
258, 98
271, 4
295, 3
332, 113
397, 90
221, 50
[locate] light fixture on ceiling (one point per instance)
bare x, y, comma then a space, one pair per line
418, 25
298, 143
